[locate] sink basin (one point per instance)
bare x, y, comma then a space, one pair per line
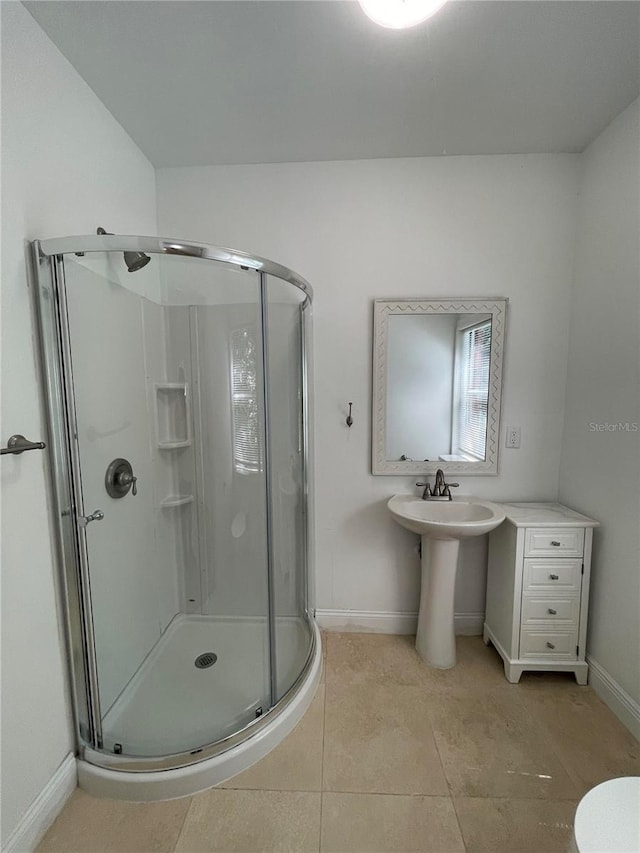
441, 524
456, 519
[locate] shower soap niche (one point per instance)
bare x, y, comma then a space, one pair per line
176, 500
173, 424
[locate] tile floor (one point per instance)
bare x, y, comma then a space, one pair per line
392, 757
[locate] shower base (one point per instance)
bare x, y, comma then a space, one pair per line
171, 706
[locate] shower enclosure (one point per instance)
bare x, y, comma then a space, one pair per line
177, 391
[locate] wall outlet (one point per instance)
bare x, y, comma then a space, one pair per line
513, 437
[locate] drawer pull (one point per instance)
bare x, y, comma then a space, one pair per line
552, 611
554, 577
550, 645
556, 544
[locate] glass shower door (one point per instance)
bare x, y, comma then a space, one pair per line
287, 479
174, 672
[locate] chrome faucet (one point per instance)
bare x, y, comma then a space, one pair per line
441, 489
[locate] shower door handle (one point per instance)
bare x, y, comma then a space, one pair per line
97, 515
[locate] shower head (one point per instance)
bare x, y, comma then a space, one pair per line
134, 260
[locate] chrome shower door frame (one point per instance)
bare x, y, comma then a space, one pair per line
66, 484
66, 488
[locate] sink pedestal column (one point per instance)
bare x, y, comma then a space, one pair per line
435, 638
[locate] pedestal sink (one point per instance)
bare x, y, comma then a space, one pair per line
441, 524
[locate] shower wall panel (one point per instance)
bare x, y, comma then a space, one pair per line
178, 465
233, 523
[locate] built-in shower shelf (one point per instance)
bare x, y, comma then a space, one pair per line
176, 500
173, 423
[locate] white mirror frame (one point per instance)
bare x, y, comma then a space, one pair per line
383, 309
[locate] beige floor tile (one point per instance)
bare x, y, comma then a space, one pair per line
478, 668
377, 739
373, 659
222, 821
515, 826
91, 825
588, 738
391, 659
490, 746
294, 765
380, 823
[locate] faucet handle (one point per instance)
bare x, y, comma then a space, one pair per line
427, 490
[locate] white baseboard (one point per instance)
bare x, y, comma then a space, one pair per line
44, 809
386, 622
469, 624
626, 709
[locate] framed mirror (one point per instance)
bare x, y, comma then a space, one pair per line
437, 383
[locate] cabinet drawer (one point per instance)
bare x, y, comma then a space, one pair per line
554, 542
547, 575
560, 612
552, 644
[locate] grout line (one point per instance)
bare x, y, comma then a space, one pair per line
435, 743
271, 790
394, 794
449, 796
455, 811
184, 820
324, 716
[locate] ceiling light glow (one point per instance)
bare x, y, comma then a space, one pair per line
399, 14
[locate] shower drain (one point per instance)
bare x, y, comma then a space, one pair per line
205, 660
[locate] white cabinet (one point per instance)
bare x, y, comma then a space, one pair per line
538, 589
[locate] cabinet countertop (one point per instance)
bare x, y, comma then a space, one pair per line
545, 515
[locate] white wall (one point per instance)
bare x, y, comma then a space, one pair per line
488, 226
67, 166
600, 467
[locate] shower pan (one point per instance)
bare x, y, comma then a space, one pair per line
178, 425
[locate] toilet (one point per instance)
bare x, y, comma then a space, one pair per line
608, 818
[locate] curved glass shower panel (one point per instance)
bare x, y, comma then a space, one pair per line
160, 365
234, 553
284, 307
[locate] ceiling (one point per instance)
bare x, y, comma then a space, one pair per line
263, 81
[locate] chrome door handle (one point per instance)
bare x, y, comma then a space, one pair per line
97, 515
18, 444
